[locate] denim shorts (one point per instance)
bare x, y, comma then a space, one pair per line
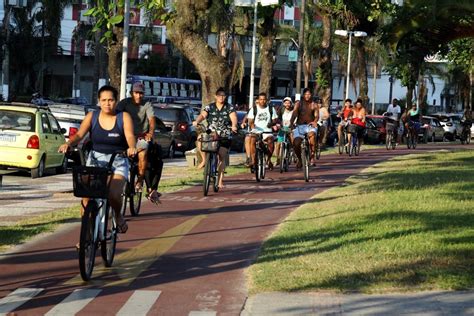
119, 166
300, 130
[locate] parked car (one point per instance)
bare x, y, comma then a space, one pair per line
431, 129
69, 117
163, 137
451, 124
178, 117
238, 140
375, 129
30, 137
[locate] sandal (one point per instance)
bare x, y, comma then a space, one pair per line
154, 197
139, 185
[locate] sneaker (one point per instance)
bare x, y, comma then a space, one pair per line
299, 165
247, 162
270, 165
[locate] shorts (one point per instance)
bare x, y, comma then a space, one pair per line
226, 143
281, 136
300, 130
120, 165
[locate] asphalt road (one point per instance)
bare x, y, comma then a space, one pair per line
186, 256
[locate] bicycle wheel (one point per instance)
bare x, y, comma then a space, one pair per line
351, 146
409, 141
262, 166
88, 241
282, 156
468, 137
125, 194
287, 157
215, 174
207, 175
414, 140
258, 167
356, 147
305, 156
109, 242
135, 197
341, 144
388, 140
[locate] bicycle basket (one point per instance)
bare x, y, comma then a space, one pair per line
90, 182
208, 144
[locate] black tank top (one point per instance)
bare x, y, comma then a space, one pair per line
108, 141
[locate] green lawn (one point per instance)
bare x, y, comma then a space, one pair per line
403, 225
22, 231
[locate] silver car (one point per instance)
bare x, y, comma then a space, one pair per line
451, 124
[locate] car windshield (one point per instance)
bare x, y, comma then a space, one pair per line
170, 115
18, 121
425, 120
444, 119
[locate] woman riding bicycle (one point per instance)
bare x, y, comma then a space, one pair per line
413, 118
222, 121
284, 117
109, 132
357, 125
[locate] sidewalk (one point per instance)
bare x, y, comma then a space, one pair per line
423, 303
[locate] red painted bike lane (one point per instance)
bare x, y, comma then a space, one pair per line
185, 257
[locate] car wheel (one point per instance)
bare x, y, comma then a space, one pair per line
63, 168
39, 171
433, 138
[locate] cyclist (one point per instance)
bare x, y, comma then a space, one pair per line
153, 172
394, 117
413, 118
357, 125
143, 125
284, 117
247, 142
222, 120
466, 120
322, 121
109, 132
261, 118
345, 114
306, 115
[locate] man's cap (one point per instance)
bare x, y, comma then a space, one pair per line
138, 87
287, 99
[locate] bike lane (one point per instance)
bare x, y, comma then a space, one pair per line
185, 257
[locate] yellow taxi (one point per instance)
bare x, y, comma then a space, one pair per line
29, 139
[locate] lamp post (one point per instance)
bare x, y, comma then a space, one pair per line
123, 72
350, 34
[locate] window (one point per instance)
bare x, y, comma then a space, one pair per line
10, 120
54, 124
45, 123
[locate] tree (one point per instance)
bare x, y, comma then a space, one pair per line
462, 65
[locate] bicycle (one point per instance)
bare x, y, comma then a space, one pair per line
354, 148
210, 145
317, 150
412, 136
305, 151
261, 148
98, 224
130, 193
343, 142
285, 150
465, 135
390, 141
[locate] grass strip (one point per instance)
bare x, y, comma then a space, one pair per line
402, 225
24, 230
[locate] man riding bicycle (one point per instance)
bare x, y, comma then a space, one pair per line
143, 118
261, 118
466, 120
109, 132
413, 118
306, 115
284, 118
222, 120
394, 112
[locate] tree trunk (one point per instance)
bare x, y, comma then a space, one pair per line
184, 33
324, 61
308, 66
115, 58
362, 72
266, 54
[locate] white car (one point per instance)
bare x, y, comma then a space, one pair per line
451, 124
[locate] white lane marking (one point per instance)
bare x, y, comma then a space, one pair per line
76, 301
17, 298
202, 313
139, 303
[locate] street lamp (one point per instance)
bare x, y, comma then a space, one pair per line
350, 34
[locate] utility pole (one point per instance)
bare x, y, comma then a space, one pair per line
123, 73
299, 66
76, 74
6, 51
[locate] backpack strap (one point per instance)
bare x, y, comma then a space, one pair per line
120, 122
95, 119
